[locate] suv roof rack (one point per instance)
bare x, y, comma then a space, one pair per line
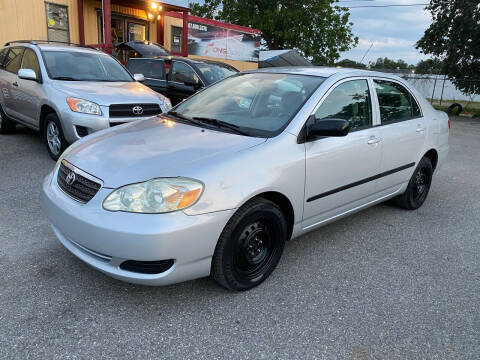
37, 42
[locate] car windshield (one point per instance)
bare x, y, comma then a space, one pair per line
215, 72
260, 104
84, 66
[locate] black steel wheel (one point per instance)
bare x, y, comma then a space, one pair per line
418, 187
250, 246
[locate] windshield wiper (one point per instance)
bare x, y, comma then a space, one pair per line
220, 123
66, 78
183, 117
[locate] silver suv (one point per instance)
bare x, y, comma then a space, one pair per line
67, 91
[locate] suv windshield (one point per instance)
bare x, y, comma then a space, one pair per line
84, 66
260, 104
214, 72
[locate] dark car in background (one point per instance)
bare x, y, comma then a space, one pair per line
139, 49
178, 77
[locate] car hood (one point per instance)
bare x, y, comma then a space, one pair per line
107, 93
157, 147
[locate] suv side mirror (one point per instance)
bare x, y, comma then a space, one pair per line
27, 74
139, 77
328, 127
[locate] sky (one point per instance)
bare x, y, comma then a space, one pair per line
392, 30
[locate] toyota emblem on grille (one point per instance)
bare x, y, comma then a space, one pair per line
137, 110
71, 177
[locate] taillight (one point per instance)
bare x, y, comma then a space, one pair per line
449, 123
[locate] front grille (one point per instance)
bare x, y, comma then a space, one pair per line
127, 110
147, 267
82, 189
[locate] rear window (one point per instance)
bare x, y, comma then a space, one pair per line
3, 52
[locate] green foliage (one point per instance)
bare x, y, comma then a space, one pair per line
429, 66
386, 63
319, 29
347, 63
454, 36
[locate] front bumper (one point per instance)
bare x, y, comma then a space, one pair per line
105, 239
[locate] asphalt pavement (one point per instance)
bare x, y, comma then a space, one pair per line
385, 283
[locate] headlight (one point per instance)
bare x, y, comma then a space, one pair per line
167, 105
84, 106
155, 196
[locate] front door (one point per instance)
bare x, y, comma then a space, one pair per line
29, 91
341, 171
403, 131
180, 81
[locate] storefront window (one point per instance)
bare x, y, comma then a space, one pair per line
57, 22
136, 32
176, 40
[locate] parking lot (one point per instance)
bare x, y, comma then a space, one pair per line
382, 284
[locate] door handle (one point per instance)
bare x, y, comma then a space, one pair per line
374, 141
15, 83
420, 129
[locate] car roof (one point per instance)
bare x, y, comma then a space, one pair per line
323, 71
185, 59
69, 48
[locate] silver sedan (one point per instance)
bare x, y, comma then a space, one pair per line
217, 185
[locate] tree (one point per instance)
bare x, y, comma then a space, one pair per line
319, 29
429, 66
386, 63
347, 63
454, 37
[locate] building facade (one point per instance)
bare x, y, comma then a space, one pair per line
104, 23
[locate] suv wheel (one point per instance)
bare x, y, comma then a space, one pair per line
53, 135
250, 246
7, 126
418, 187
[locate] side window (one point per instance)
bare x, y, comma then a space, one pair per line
30, 61
182, 72
348, 101
153, 69
14, 60
395, 101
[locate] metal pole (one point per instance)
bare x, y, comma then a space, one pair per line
443, 87
433, 92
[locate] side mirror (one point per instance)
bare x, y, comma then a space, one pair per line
27, 74
328, 127
139, 77
195, 84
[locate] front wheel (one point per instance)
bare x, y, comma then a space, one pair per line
418, 186
53, 136
250, 246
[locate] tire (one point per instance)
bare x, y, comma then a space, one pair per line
53, 136
418, 186
7, 126
250, 245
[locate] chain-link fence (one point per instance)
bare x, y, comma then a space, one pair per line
444, 93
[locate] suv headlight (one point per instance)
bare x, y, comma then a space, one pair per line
84, 106
167, 105
155, 196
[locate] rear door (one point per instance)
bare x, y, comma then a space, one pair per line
341, 171
179, 74
403, 132
12, 63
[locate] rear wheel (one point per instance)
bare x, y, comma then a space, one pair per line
250, 246
53, 136
7, 126
418, 187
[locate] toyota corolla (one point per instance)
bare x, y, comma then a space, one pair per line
217, 185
